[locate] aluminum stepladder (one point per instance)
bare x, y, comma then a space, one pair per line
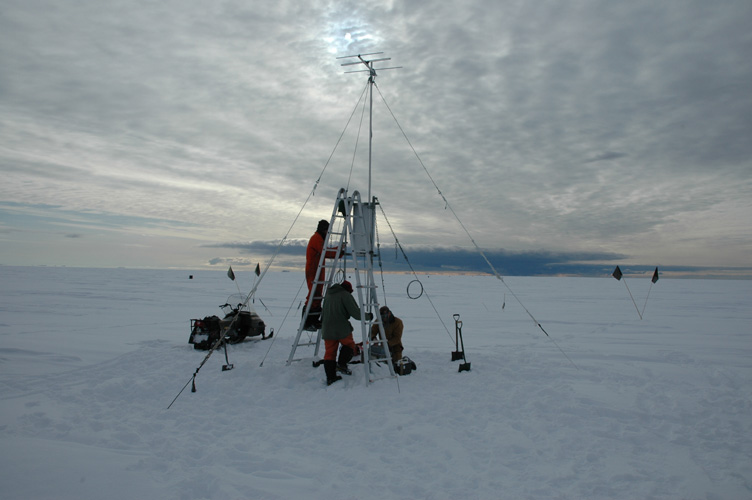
351, 217
338, 232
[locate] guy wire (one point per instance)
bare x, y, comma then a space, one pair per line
310, 195
413, 270
279, 328
357, 140
449, 206
276, 251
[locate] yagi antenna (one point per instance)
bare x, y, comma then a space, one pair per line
367, 62
359, 55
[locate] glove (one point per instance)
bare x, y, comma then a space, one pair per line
369, 316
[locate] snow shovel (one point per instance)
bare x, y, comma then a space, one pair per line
459, 354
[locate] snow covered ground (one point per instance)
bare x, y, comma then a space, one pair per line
608, 407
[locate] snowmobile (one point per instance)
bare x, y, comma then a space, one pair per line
206, 331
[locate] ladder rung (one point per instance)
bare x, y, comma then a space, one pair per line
307, 343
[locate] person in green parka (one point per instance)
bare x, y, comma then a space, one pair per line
338, 307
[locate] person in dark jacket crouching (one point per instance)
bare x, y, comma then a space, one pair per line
393, 327
338, 307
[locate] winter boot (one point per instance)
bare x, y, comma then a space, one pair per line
330, 367
313, 320
345, 355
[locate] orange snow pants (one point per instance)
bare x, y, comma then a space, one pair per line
332, 345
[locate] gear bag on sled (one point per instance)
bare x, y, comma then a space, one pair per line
205, 332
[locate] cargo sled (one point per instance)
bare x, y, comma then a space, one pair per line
239, 323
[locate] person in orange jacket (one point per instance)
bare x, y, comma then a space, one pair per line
313, 253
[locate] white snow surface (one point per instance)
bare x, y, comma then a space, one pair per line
610, 406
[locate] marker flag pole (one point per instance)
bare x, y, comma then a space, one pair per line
618, 275
231, 275
652, 282
257, 273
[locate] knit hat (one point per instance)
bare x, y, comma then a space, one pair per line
347, 286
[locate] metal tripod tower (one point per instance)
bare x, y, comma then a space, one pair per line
352, 234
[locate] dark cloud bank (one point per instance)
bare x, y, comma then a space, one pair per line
506, 263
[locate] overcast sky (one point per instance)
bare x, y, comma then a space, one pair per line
189, 134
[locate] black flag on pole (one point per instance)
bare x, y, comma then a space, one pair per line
258, 270
231, 274
655, 275
617, 273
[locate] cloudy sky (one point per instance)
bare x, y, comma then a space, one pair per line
190, 134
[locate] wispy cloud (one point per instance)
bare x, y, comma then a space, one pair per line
608, 155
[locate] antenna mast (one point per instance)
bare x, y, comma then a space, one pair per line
368, 63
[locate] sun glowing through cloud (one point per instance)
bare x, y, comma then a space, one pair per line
347, 36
